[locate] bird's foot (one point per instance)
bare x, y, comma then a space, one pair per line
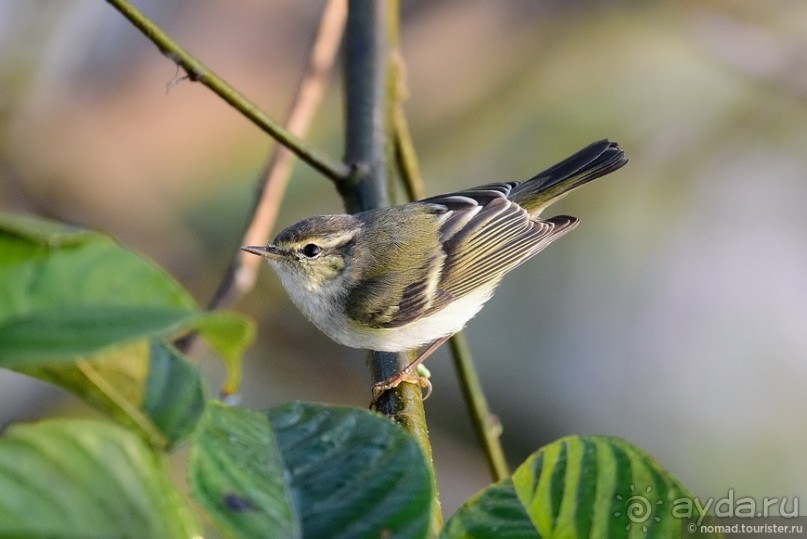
379, 388
414, 373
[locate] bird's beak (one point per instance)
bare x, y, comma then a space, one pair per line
270, 251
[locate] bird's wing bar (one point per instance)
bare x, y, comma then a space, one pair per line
494, 241
484, 235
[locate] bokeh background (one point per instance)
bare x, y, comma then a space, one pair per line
675, 316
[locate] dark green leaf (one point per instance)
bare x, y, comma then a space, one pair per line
354, 474
311, 470
236, 473
175, 398
494, 512
86, 479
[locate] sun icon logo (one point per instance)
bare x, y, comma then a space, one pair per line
638, 508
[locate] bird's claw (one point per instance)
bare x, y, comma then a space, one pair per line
379, 388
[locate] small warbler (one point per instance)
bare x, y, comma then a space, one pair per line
396, 278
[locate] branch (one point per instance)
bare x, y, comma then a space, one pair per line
243, 270
406, 158
371, 28
197, 71
488, 428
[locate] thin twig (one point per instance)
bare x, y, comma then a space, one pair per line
487, 427
243, 270
406, 158
197, 71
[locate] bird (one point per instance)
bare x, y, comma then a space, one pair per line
396, 278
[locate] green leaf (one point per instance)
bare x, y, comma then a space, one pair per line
579, 486
80, 311
236, 473
310, 470
42, 231
494, 512
354, 473
175, 398
63, 335
68, 293
88, 479
228, 334
147, 386
65, 271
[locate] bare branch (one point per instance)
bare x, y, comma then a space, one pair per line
199, 72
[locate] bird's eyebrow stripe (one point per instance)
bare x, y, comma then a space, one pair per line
336, 239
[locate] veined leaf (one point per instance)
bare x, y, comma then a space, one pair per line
310, 470
236, 472
148, 386
63, 335
87, 479
579, 486
51, 268
80, 311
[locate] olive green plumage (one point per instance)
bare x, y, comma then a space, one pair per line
396, 278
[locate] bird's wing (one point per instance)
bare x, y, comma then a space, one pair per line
483, 236
486, 232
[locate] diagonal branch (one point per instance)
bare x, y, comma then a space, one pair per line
199, 72
487, 427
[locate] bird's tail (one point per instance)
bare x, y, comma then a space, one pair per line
593, 161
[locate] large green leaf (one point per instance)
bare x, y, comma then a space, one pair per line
236, 472
148, 386
310, 470
67, 293
354, 473
86, 479
64, 334
80, 311
54, 272
579, 486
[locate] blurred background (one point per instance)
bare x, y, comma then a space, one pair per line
675, 316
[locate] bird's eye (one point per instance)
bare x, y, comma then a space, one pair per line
311, 250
